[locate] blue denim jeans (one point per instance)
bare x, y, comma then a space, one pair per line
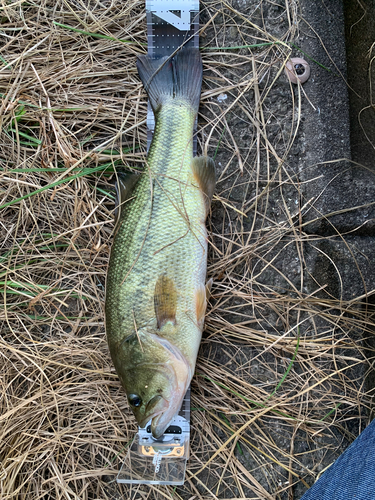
352, 476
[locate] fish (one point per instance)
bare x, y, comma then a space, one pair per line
156, 294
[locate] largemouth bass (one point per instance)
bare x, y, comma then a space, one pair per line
155, 291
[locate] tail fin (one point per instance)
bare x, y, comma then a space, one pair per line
170, 78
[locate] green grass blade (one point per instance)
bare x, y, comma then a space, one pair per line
32, 290
330, 412
228, 424
248, 400
287, 370
266, 44
106, 193
235, 47
4, 61
309, 57
47, 319
97, 35
18, 115
26, 136
87, 171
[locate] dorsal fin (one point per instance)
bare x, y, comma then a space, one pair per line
165, 301
204, 173
124, 185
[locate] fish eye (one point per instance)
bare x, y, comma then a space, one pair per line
134, 400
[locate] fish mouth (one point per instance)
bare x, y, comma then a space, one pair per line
160, 412
161, 421
159, 425
155, 407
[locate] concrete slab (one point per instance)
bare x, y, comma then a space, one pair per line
340, 194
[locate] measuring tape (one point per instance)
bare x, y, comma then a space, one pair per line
170, 25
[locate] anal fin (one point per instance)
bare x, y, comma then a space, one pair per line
200, 304
208, 288
204, 173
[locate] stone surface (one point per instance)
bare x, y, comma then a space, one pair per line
339, 193
359, 32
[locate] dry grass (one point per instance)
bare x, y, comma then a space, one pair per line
280, 374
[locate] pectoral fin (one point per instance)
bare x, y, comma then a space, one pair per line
165, 301
204, 173
124, 185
